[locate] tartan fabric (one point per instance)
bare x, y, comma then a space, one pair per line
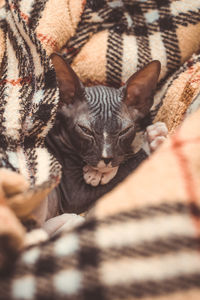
137, 32
141, 241
149, 252
178, 95
29, 98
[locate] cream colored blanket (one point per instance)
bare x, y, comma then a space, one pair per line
142, 239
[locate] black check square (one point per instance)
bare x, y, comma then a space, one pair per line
141, 31
166, 23
161, 3
133, 9
88, 256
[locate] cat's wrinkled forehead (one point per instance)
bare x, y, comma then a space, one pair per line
103, 102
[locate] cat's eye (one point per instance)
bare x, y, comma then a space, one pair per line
126, 130
85, 129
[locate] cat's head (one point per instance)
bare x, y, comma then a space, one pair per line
101, 121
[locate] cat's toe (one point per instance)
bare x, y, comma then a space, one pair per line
92, 177
108, 176
156, 135
157, 142
87, 177
155, 130
86, 169
96, 180
88, 173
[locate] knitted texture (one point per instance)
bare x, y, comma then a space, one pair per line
132, 33
29, 97
179, 93
28, 102
141, 241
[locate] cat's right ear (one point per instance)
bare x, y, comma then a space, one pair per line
69, 84
140, 88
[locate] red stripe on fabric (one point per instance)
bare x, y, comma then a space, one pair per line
23, 15
19, 81
47, 39
2, 200
197, 79
83, 5
177, 147
42, 37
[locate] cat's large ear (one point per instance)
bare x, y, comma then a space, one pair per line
140, 88
68, 82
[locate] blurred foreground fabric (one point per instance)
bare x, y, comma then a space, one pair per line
142, 240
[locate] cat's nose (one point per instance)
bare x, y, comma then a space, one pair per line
107, 160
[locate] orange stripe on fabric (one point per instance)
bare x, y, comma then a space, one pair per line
2, 199
187, 175
197, 79
83, 5
23, 15
19, 81
42, 37
47, 39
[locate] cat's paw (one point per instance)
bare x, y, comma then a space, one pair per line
91, 175
156, 135
94, 176
106, 177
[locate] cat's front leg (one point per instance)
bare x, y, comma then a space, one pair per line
156, 135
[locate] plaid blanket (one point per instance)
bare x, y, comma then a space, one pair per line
141, 240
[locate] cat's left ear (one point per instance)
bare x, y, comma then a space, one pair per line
70, 86
140, 88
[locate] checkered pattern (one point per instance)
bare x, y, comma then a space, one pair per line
145, 29
148, 252
28, 103
179, 96
141, 240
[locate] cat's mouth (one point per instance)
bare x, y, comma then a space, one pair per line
104, 170
103, 166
